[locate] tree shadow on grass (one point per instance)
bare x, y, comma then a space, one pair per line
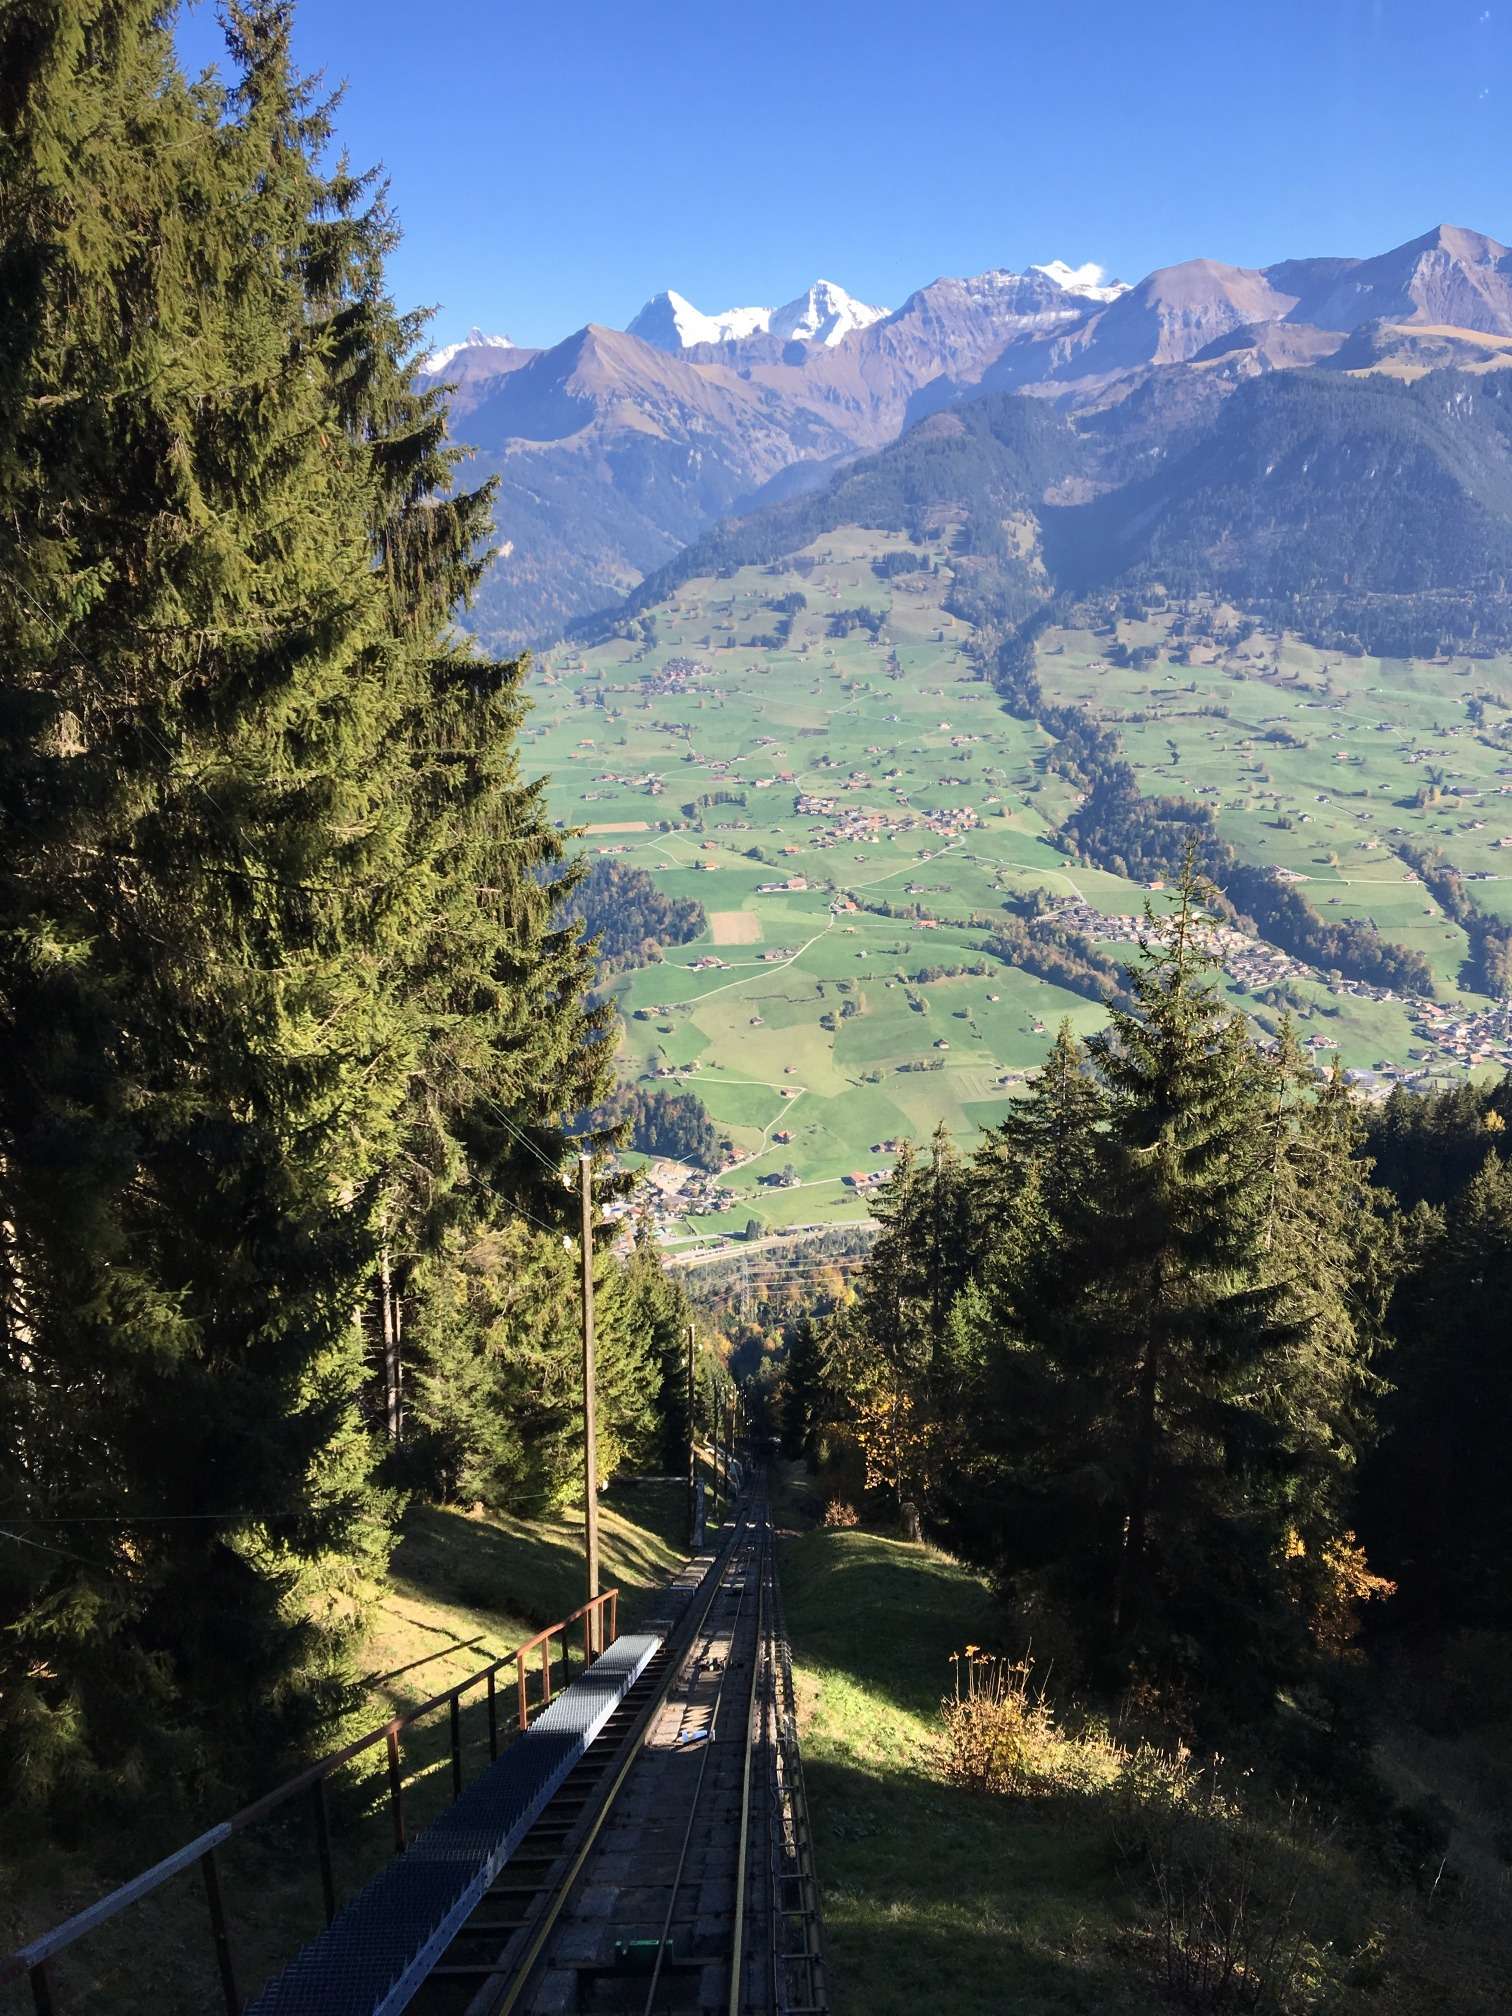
937, 1900
518, 1570
884, 1612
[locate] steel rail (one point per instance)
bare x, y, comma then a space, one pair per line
675, 1888
737, 1940
557, 1903
794, 1841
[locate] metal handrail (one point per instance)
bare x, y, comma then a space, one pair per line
32, 1959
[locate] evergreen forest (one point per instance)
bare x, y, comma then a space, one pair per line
295, 988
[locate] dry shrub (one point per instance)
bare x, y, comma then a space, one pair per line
839, 1513
1223, 1887
999, 1731
1225, 1942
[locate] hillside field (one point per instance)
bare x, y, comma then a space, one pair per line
795, 781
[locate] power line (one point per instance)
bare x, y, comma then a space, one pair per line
198, 784
61, 1553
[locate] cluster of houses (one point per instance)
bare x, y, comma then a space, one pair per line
856, 824
1465, 1039
1448, 1035
1251, 963
674, 675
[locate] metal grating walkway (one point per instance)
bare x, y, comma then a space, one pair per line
373, 1957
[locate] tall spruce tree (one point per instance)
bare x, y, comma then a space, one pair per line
280, 975
1438, 1512
659, 1314
1173, 1372
802, 1398
1330, 1243
1052, 1130
887, 1353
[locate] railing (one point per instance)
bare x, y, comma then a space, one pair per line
600, 1621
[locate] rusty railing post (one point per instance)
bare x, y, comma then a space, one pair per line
520, 1677
396, 1791
456, 1745
493, 1719
222, 1937
323, 1848
546, 1671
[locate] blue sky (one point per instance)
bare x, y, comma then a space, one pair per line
553, 166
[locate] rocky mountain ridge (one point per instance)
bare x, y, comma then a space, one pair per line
615, 448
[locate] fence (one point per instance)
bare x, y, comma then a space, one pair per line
600, 1621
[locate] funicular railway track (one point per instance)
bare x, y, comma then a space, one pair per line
642, 1845
671, 1871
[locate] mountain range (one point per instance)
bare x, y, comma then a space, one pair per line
1366, 512
825, 314
616, 449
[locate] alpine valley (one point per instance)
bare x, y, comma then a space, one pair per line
942, 632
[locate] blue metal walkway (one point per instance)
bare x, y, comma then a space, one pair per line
373, 1957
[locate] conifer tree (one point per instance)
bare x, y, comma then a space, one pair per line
888, 1352
1177, 1373
281, 981
1052, 1129
1330, 1244
803, 1390
659, 1314
496, 1408
1439, 1514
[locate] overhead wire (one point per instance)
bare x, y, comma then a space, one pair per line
511, 1127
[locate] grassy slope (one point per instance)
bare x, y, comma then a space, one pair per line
933, 1899
454, 1578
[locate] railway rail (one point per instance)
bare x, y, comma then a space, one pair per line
672, 1872
641, 1846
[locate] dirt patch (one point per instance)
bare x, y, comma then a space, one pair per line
621, 826
734, 927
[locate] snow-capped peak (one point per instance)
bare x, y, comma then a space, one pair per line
1090, 281
825, 314
449, 352
671, 322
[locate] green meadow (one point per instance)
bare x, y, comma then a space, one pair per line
732, 744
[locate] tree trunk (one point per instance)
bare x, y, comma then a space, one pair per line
389, 1322
1132, 1565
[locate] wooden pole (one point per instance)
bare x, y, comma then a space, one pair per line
390, 1343
714, 1436
590, 1426
692, 1440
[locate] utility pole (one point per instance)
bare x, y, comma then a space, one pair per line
590, 1429
692, 1441
388, 1314
720, 1474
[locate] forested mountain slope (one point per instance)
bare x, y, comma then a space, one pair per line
1345, 503
1309, 485
980, 465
